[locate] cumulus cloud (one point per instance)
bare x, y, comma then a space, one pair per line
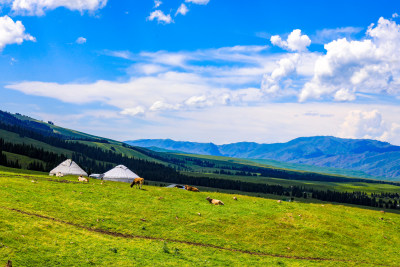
363, 124
287, 78
369, 125
12, 32
160, 17
295, 41
349, 67
39, 7
272, 83
182, 10
81, 40
198, 2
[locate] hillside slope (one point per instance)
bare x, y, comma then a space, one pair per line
63, 222
370, 156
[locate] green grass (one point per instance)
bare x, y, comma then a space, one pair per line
299, 230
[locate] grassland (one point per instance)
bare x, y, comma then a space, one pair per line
51, 222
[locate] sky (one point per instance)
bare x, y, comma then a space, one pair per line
204, 70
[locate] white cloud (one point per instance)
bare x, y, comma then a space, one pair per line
81, 40
271, 83
351, 67
172, 81
133, 111
295, 41
12, 32
327, 35
363, 124
167, 58
147, 69
198, 2
369, 125
160, 17
395, 15
289, 74
182, 10
344, 95
157, 3
39, 7
160, 105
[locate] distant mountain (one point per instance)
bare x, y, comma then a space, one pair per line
178, 146
376, 158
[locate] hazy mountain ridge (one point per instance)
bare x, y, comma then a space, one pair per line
373, 157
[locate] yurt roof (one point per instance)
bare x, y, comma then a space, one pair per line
120, 172
68, 167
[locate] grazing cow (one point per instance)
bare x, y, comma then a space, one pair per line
138, 182
215, 201
59, 174
191, 188
234, 198
83, 179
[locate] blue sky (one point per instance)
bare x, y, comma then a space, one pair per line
204, 70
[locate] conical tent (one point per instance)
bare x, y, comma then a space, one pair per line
120, 173
68, 167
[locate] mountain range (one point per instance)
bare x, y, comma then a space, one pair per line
375, 158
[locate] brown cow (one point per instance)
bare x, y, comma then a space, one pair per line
138, 182
191, 188
215, 201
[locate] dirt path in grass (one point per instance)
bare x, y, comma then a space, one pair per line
129, 236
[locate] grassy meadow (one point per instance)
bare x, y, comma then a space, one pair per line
51, 221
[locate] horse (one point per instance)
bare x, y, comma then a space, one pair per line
138, 182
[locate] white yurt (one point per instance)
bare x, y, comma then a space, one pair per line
121, 174
68, 167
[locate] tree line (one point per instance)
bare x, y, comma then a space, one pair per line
4, 161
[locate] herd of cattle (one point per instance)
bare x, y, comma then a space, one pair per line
139, 182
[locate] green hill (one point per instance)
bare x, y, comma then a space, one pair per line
30, 144
48, 221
